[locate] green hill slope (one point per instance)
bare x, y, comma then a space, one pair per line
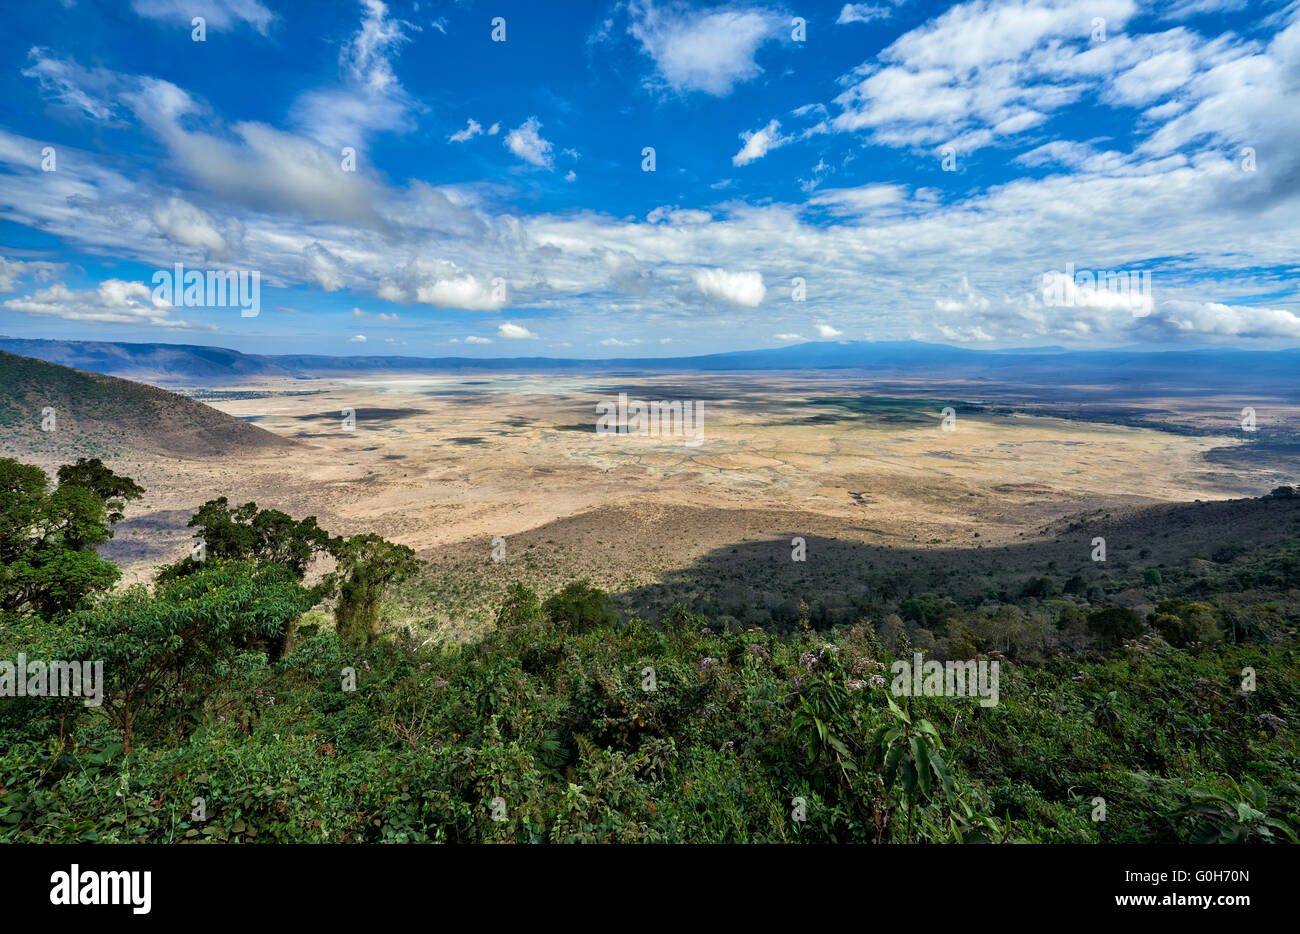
56, 410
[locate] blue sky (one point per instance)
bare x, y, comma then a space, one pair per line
886, 171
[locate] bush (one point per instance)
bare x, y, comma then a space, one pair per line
581, 606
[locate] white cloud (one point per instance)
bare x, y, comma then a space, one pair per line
474, 128
515, 332
969, 300
440, 283
790, 338
89, 91
219, 14
322, 267
709, 51
862, 13
826, 332
114, 301
526, 143
855, 201
371, 99
12, 270
478, 340
737, 288
187, 225
1200, 319
357, 339
885, 259
759, 143
986, 70
671, 214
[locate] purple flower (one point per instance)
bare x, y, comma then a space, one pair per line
1273, 723
707, 663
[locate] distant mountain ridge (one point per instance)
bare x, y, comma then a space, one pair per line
1228, 369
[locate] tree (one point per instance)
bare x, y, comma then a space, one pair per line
246, 533
367, 564
164, 652
48, 535
110, 488
1181, 622
521, 608
1115, 624
1040, 587
582, 606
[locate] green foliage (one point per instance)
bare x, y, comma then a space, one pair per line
366, 565
111, 489
164, 652
1183, 622
1115, 624
520, 609
48, 535
246, 533
586, 728
582, 606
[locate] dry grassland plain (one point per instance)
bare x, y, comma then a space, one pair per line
446, 464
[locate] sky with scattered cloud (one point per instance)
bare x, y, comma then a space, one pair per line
648, 178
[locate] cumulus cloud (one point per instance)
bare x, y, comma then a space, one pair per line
968, 301
114, 301
745, 289
526, 143
985, 70
703, 50
187, 225
14, 270
357, 339
515, 332
826, 332
442, 284
1198, 319
759, 143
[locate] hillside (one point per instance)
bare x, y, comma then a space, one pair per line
102, 416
